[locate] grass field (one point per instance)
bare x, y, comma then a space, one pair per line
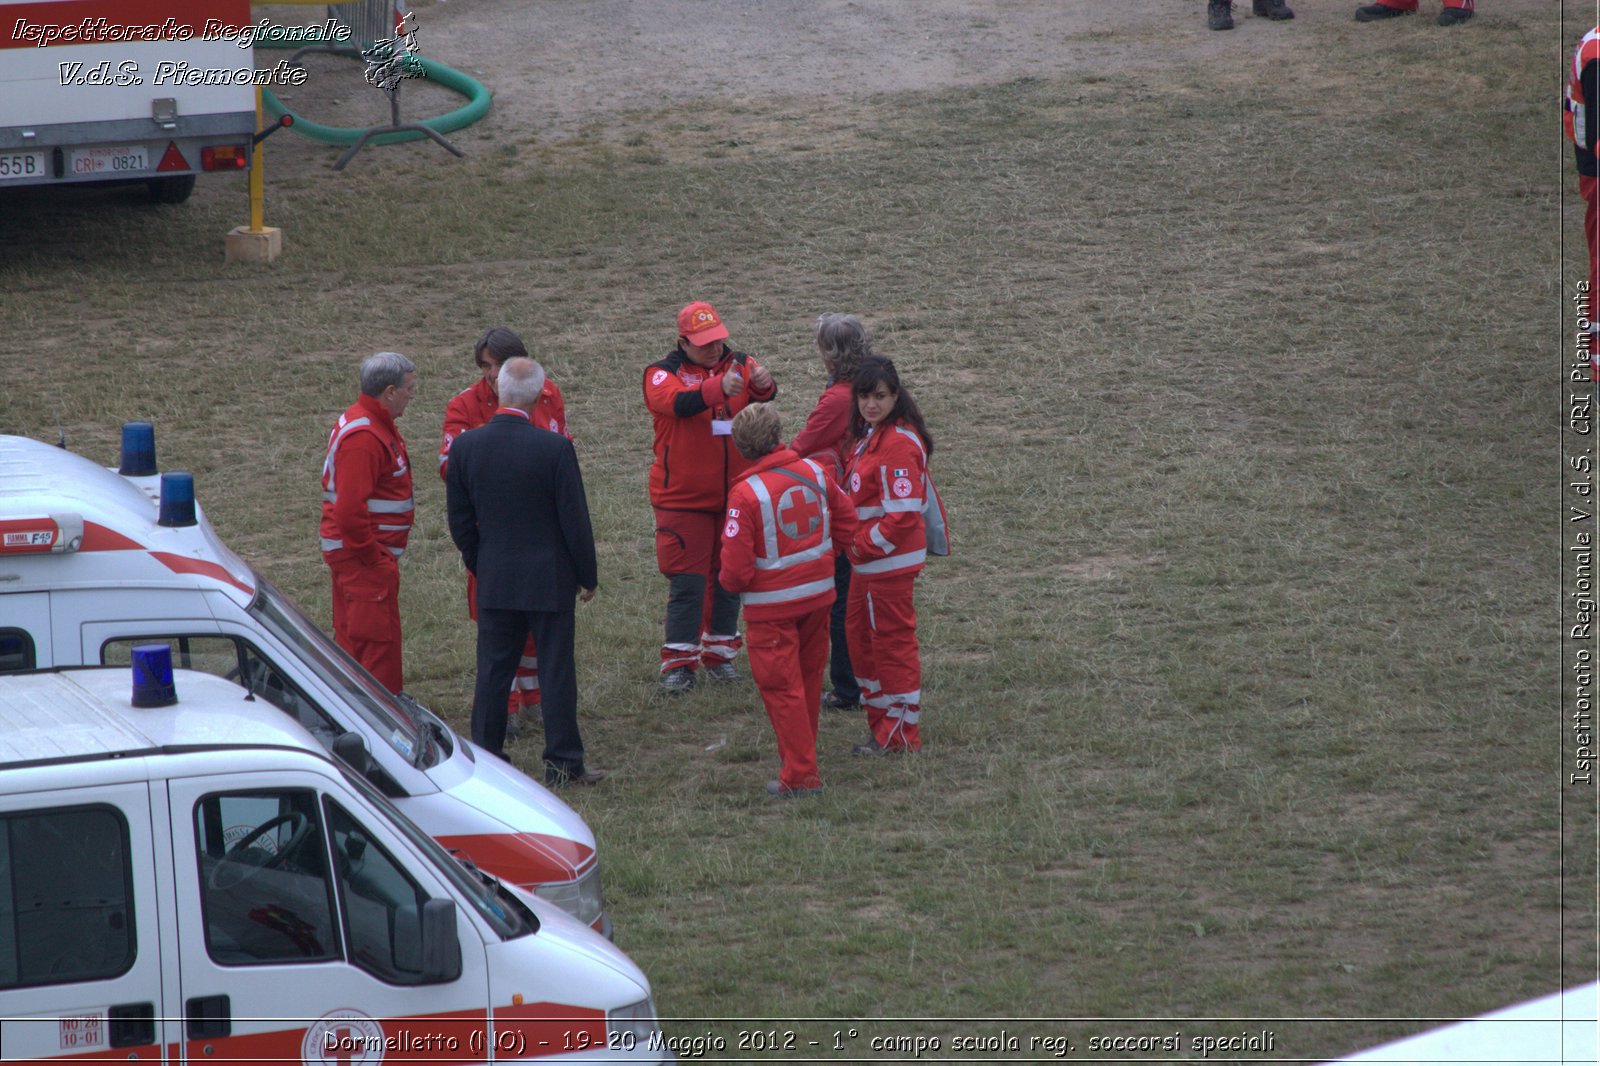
1244, 687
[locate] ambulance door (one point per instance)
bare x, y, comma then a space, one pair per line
302, 931
24, 631
82, 932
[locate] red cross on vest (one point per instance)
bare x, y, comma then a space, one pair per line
796, 506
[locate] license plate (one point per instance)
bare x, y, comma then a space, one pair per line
122, 159
22, 165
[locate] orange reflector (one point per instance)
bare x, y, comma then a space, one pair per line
223, 157
173, 159
516, 999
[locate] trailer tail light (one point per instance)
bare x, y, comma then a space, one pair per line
224, 157
42, 535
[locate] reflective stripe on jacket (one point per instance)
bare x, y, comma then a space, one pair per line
358, 508
886, 479
778, 540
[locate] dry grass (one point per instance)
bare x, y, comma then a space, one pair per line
1242, 684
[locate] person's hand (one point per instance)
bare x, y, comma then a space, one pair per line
586, 594
732, 383
761, 379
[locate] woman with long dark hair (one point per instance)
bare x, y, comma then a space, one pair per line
887, 481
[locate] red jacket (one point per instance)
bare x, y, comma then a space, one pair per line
366, 487
887, 483
826, 436
476, 404
694, 465
785, 519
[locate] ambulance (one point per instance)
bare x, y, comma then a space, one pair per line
94, 561
154, 91
185, 876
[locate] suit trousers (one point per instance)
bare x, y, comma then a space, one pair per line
787, 657
501, 636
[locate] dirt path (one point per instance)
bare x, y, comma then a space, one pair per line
559, 69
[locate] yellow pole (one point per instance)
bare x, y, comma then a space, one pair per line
258, 180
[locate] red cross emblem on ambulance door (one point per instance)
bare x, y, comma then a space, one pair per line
796, 506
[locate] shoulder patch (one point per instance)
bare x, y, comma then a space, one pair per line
731, 530
658, 377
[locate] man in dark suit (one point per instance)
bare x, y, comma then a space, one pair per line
519, 516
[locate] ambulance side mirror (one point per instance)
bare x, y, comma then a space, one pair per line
441, 946
351, 750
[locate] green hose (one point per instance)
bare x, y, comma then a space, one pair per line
476, 107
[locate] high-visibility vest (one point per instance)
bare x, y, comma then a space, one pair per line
794, 532
389, 503
888, 477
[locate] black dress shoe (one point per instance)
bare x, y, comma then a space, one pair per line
556, 777
1378, 12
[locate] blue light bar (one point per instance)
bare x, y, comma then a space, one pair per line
138, 449
152, 676
177, 499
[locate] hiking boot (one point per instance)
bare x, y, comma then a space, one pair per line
1378, 12
676, 682
1276, 10
1454, 16
1219, 14
723, 673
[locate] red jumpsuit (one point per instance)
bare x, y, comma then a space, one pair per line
778, 546
886, 484
366, 519
695, 464
469, 409
1411, 5
1582, 129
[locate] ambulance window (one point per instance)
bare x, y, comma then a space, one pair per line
264, 884
16, 651
66, 897
382, 905
237, 661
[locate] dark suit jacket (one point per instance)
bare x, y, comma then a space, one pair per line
519, 516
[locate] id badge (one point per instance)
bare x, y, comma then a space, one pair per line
721, 427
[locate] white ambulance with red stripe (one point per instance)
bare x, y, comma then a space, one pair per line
125, 90
199, 882
92, 563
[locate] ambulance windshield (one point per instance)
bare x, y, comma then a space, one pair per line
404, 728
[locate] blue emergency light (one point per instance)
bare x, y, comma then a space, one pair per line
177, 499
152, 676
138, 449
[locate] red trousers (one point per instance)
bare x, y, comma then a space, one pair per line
787, 658
1590, 188
366, 617
880, 622
525, 682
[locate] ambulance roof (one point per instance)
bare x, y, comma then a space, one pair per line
123, 541
86, 713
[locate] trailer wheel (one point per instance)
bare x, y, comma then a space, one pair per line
171, 190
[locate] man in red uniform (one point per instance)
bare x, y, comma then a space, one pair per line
469, 409
1583, 126
1455, 12
366, 515
693, 395
778, 550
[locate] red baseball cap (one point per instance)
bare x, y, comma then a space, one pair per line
700, 324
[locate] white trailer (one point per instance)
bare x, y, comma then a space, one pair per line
152, 91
